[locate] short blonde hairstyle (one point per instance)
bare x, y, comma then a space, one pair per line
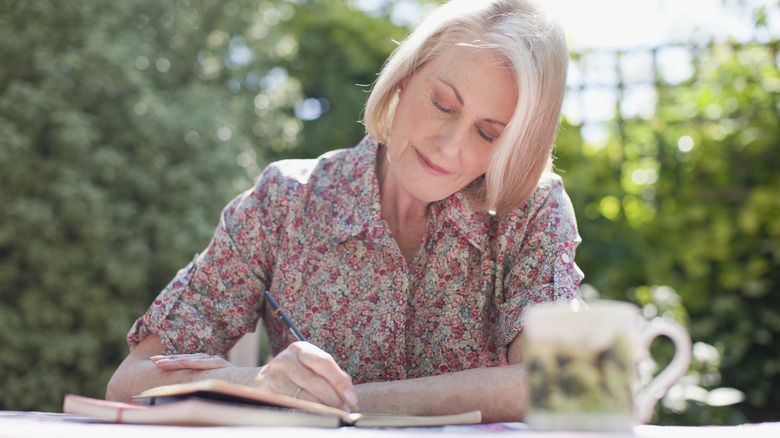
532, 45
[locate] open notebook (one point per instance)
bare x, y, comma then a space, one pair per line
219, 403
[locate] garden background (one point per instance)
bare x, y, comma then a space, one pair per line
126, 126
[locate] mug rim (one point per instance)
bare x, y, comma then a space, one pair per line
577, 306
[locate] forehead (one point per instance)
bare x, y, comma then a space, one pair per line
471, 65
478, 74
455, 54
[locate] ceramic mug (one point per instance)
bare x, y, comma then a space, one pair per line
581, 364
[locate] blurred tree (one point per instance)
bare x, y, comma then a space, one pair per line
118, 151
689, 198
109, 180
339, 55
126, 127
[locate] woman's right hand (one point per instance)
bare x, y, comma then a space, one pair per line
304, 371
301, 371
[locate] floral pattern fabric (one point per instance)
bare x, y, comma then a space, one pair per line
312, 233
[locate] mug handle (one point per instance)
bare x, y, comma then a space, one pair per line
646, 400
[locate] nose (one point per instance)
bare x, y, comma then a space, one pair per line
452, 138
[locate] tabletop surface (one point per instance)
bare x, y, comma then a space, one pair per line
44, 424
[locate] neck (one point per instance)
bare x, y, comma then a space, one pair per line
406, 216
397, 204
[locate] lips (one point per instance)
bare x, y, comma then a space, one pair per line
429, 166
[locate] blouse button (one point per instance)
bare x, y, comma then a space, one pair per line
565, 258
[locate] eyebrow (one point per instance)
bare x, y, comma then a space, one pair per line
460, 99
454, 90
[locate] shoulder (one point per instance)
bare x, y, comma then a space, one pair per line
547, 212
549, 192
295, 174
284, 181
287, 184
549, 196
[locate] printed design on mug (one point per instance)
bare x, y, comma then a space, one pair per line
572, 377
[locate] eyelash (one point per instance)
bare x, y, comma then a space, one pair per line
484, 137
441, 108
449, 111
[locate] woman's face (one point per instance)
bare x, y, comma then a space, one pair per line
449, 116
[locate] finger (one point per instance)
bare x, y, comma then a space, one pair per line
285, 373
322, 365
314, 388
191, 362
169, 365
179, 356
210, 363
304, 395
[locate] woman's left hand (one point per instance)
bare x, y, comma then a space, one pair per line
306, 356
196, 361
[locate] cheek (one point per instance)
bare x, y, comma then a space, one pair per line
413, 116
477, 160
411, 124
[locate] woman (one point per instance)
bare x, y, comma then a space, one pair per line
406, 261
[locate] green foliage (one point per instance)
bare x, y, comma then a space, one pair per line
114, 164
339, 54
126, 128
688, 198
128, 125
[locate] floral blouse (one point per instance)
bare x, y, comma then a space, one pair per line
312, 233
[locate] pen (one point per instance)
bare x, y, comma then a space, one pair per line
280, 313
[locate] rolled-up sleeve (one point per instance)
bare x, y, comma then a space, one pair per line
216, 298
545, 270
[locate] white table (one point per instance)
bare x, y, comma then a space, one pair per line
15, 424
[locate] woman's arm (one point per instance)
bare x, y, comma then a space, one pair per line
499, 392
138, 372
302, 370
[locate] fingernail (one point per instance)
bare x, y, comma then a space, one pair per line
351, 397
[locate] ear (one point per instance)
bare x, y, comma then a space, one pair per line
402, 83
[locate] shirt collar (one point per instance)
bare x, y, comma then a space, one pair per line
360, 210
456, 211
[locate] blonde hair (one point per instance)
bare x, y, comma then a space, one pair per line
532, 45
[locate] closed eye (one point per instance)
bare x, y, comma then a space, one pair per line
441, 108
485, 136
